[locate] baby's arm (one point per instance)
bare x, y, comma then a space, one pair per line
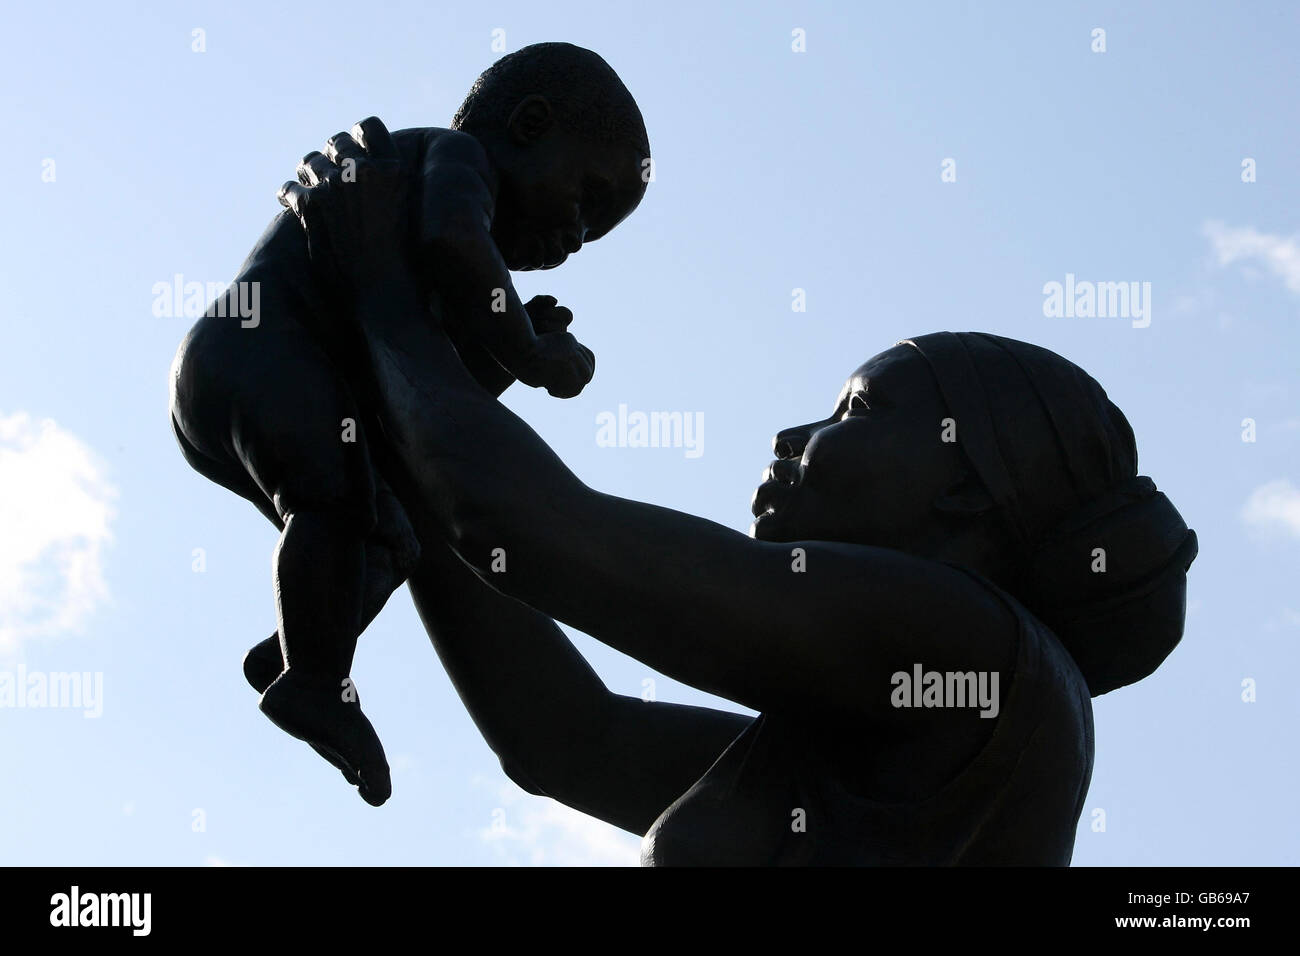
470, 278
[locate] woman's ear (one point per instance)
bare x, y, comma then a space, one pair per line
530, 119
965, 499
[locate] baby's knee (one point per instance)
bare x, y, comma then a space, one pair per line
348, 506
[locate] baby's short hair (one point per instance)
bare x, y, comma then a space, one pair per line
584, 91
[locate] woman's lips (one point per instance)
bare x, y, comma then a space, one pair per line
779, 482
784, 470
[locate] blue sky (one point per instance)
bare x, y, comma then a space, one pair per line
776, 170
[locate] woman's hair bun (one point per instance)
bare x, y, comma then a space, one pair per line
1111, 583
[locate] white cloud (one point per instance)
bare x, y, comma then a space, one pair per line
536, 831
401, 763
1243, 244
1275, 506
55, 512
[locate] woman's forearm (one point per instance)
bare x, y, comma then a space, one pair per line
536, 700
457, 444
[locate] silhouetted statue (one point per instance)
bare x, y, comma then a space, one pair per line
939, 576
546, 154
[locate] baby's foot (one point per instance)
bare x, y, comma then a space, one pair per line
314, 709
262, 665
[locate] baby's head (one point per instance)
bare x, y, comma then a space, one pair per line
569, 147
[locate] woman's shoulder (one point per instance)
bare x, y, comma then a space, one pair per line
1030, 710
1036, 639
1046, 714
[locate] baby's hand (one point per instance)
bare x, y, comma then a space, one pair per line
547, 314
560, 362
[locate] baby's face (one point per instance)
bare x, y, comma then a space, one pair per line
559, 193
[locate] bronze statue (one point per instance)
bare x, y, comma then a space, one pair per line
545, 155
970, 508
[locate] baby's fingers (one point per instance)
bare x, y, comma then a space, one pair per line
553, 320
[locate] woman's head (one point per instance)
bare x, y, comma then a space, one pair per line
869, 473
1006, 458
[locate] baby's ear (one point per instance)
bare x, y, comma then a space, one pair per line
965, 499
530, 119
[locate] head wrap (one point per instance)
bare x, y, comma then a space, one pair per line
1104, 553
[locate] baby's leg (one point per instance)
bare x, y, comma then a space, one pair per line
265, 401
319, 568
326, 493
306, 536
319, 589
390, 552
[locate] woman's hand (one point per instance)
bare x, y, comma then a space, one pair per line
351, 202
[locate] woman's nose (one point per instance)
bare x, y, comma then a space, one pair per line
790, 442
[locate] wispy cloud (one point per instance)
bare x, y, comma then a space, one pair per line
1244, 244
55, 513
534, 831
1274, 506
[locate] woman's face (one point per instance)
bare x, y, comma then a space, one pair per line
870, 473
